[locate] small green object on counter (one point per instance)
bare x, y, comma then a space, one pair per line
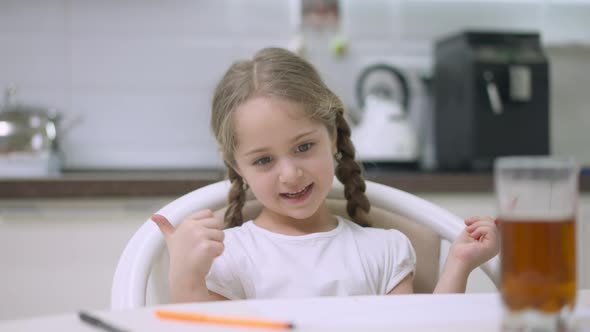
338, 46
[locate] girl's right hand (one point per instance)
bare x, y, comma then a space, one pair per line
192, 246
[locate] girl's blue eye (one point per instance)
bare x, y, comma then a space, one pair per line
304, 147
263, 161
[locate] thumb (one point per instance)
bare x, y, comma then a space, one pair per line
165, 226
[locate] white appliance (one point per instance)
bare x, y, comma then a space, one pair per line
384, 134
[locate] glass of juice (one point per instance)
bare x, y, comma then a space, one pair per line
537, 201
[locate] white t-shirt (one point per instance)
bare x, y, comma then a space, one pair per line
348, 260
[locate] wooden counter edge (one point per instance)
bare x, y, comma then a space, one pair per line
167, 186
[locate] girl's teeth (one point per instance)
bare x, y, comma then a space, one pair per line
295, 194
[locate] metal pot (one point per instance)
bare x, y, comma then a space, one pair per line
25, 128
28, 129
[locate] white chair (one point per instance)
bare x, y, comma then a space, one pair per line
141, 275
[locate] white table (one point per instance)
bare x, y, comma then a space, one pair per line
449, 312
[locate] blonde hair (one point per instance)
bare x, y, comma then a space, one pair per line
276, 72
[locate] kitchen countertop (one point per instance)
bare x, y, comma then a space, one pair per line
176, 183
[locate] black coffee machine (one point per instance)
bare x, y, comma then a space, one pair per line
491, 98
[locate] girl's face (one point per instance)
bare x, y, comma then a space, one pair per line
285, 157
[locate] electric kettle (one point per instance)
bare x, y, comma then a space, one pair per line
384, 134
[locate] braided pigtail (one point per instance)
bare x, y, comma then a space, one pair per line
348, 171
236, 199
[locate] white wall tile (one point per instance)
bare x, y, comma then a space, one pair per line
40, 62
371, 19
131, 19
570, 101
141, 131
33, 52
431, 20
109, 115
154, 66
132, 157
260, 19
32, 18
566, 22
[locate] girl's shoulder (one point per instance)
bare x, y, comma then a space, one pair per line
242, 232
374, 233
368, 230
374, 242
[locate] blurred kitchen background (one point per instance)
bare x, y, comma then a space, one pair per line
133, 79
128, 86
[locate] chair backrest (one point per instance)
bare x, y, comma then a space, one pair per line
141, 274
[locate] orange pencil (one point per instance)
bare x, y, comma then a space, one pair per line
225, 320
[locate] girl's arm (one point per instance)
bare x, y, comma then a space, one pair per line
404, 287
478, 242
191, 291
453, 278
192, 247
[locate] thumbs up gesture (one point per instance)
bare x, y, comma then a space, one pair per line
192, 247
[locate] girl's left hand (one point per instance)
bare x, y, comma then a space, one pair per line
478, 242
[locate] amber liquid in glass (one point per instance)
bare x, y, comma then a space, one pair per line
538, 269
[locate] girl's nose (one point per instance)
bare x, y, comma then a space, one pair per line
290, 172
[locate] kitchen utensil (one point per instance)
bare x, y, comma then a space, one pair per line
384, 134
28, 138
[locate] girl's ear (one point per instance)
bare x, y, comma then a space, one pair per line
334, 140
237, 170
234, 166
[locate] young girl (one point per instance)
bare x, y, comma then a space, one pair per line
283, 135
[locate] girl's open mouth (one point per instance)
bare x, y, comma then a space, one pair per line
299, 195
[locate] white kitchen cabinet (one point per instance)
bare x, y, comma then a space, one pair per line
60, 255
